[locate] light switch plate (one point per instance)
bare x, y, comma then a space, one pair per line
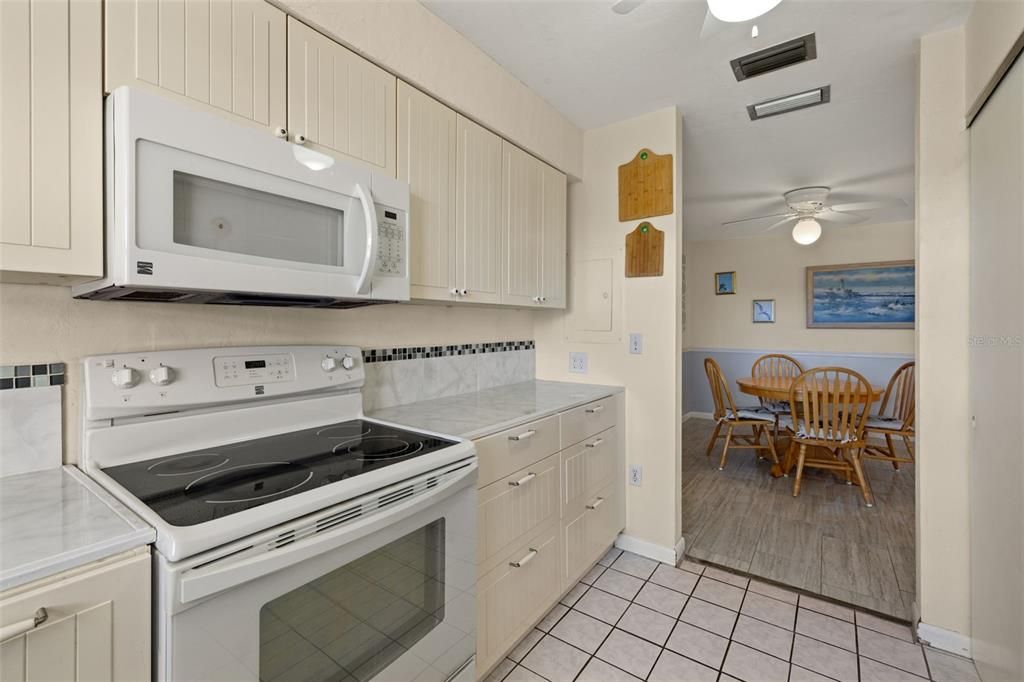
636, 343
578, 363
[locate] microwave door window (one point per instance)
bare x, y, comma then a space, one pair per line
211, 214
361, 617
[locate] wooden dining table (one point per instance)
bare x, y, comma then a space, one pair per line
778, 388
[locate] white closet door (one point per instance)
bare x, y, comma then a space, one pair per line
427, 161
478, 213
341, 103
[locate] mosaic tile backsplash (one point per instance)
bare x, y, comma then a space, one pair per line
398, 376
28, 376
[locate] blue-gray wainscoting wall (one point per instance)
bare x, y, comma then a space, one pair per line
877, 367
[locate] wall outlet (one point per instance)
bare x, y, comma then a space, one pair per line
578, 363
636, 474
636, 343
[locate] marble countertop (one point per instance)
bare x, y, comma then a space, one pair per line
479, 414
58, 519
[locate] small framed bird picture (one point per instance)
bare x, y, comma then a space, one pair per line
764, 310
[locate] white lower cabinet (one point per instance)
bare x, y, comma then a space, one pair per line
96, 625
546, 514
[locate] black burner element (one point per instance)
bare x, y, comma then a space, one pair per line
199, 486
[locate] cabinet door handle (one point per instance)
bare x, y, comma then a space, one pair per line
595, 443
455, 292
597, 503
463, 292
525, 435
281, 132
595, 409
22, 626
525, 560
299, 139
524, 480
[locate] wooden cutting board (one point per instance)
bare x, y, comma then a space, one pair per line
645, 186
645, 252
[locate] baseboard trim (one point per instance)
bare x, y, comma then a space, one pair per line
697, 415
947, 640
628, 543
680, 550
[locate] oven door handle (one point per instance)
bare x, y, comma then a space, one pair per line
226, 574
370, 257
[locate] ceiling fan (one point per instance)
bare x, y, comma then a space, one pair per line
808, 206
730, 11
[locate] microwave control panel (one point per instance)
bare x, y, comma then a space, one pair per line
391, 242
253, 369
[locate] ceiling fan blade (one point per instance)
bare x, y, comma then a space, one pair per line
869, 205
760, 217
790, 219
625, 6
835, 216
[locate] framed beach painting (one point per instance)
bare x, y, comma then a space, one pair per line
861, 295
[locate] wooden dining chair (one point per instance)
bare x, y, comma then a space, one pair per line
776, 366
895, 417
728, 415
829, 411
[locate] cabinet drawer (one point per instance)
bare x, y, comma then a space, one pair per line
516, 594
587, 534
588, 420
587, 466
511, 450
514, 506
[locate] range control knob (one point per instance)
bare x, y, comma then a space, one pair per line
126, 377
329, 364
348, 362
161, 376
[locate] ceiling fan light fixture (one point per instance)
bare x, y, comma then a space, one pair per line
740, 10
806, 231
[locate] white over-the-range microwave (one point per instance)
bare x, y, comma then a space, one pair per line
203, 210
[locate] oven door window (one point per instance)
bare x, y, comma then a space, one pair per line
359, 618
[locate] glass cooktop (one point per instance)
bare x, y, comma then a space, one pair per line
204, 485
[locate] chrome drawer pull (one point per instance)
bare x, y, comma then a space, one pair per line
524, 480
597, 503
595, 443
525, 435
21, 627
525, 560
595, 409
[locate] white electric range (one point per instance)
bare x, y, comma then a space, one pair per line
296, 539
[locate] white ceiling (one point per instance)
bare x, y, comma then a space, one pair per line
598, 67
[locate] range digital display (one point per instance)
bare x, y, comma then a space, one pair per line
390, 215
255, 364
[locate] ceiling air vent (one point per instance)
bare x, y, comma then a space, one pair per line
802, 49
782, 105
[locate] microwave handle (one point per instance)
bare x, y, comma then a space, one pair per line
370, 258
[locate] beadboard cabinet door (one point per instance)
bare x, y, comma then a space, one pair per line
51, 140
338, 102
552, 242
97, 624
521, 210
227, 56
427, 161
478, 214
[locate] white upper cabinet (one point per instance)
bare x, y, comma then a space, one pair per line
51, 140
338, 102
478, 214
229, 56
426, 160
533, 223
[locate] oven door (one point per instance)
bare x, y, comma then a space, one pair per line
376, 589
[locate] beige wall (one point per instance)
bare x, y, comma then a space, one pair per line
405, 38
44, 324
942, 236
772, 266
649, 305
992, 28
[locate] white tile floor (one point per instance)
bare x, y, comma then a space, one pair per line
632, 618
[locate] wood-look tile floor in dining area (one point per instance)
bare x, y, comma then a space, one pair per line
825, 541
631, 618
